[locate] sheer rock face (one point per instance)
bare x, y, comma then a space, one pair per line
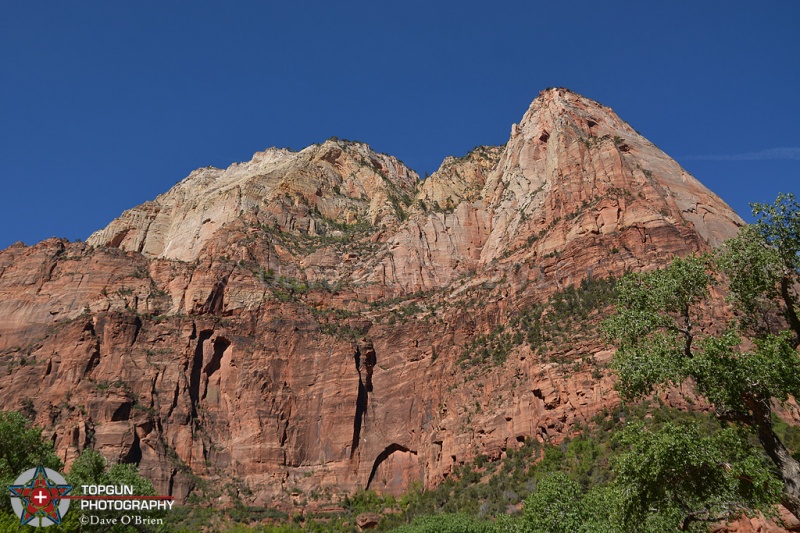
299, 321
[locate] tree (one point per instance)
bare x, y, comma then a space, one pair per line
669, 330
677, 477
21, 447
91, 468
560, 505
555, 506
763, 264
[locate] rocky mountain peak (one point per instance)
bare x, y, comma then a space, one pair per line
573, 170
573, 178
338, 181
323, 318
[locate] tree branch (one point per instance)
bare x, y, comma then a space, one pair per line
687, 334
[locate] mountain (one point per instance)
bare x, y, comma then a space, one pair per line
322, 321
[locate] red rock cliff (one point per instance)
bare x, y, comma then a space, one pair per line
300, 321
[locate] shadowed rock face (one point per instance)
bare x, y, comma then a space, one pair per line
211, 335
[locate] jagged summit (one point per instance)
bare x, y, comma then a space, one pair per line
341, 181
571, 169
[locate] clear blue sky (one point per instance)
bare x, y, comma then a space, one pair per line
104, 105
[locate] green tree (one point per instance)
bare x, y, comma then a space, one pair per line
554, 507
21, 447
668, 332
677, 478
560, 505
91, 468
763, 264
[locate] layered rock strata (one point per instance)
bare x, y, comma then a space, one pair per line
300, 323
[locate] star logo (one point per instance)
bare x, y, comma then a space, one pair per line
36, 497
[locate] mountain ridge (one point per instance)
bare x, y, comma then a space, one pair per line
324, 319
553, 106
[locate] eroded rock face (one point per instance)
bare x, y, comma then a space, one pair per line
575, 173
298, 323
291, 191
459, 179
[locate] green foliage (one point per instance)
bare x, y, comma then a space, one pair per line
660, 344
552, 507
731, 377
237, 518
492, 348
763, 265
655, 476
244, 514
779, 224
21, 447
678, 475
566, 316
447, 523
653, 325
91, 468
754, 272
593, 481
664, 339
560, 505
367, 501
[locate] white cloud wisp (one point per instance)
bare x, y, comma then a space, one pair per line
770, 153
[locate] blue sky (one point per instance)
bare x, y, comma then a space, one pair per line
104, 105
